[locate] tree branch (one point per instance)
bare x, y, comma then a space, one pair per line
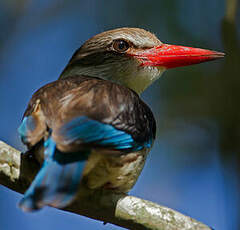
18, 170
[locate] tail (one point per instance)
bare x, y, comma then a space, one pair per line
56, 184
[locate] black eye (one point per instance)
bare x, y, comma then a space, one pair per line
121, 45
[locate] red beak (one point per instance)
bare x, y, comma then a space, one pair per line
170, 56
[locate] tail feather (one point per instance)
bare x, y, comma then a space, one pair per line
56, 184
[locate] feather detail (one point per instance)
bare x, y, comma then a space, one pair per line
56, 184
28, 125
33, 126
87, 131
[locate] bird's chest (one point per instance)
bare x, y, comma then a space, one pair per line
118, 173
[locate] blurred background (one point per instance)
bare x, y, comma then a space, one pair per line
194, 165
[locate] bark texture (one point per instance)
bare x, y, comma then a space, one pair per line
18, 170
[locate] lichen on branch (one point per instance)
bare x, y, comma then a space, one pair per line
18, 170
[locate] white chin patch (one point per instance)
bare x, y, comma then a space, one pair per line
144, 77
153, 72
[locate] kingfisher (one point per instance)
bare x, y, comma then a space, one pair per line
90, 127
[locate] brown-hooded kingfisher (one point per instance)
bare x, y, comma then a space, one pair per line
91, 127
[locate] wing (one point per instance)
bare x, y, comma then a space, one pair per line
33, 127
83, 130
41, 109
89, 112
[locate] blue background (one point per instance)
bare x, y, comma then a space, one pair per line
194, 165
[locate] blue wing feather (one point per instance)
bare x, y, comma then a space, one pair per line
57, 182
91, 131
28, 125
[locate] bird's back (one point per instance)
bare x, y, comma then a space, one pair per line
66, 104
61, 101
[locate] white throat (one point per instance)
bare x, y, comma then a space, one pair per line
137, 78
142, 79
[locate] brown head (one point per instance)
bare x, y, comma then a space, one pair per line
132, 57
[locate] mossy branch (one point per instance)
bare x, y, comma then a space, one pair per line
18, 170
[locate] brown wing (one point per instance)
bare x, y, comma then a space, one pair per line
60, 102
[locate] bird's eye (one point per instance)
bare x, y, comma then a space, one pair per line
121, 45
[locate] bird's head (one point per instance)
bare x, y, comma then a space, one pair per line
132, 57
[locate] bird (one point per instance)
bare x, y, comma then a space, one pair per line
90, 127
